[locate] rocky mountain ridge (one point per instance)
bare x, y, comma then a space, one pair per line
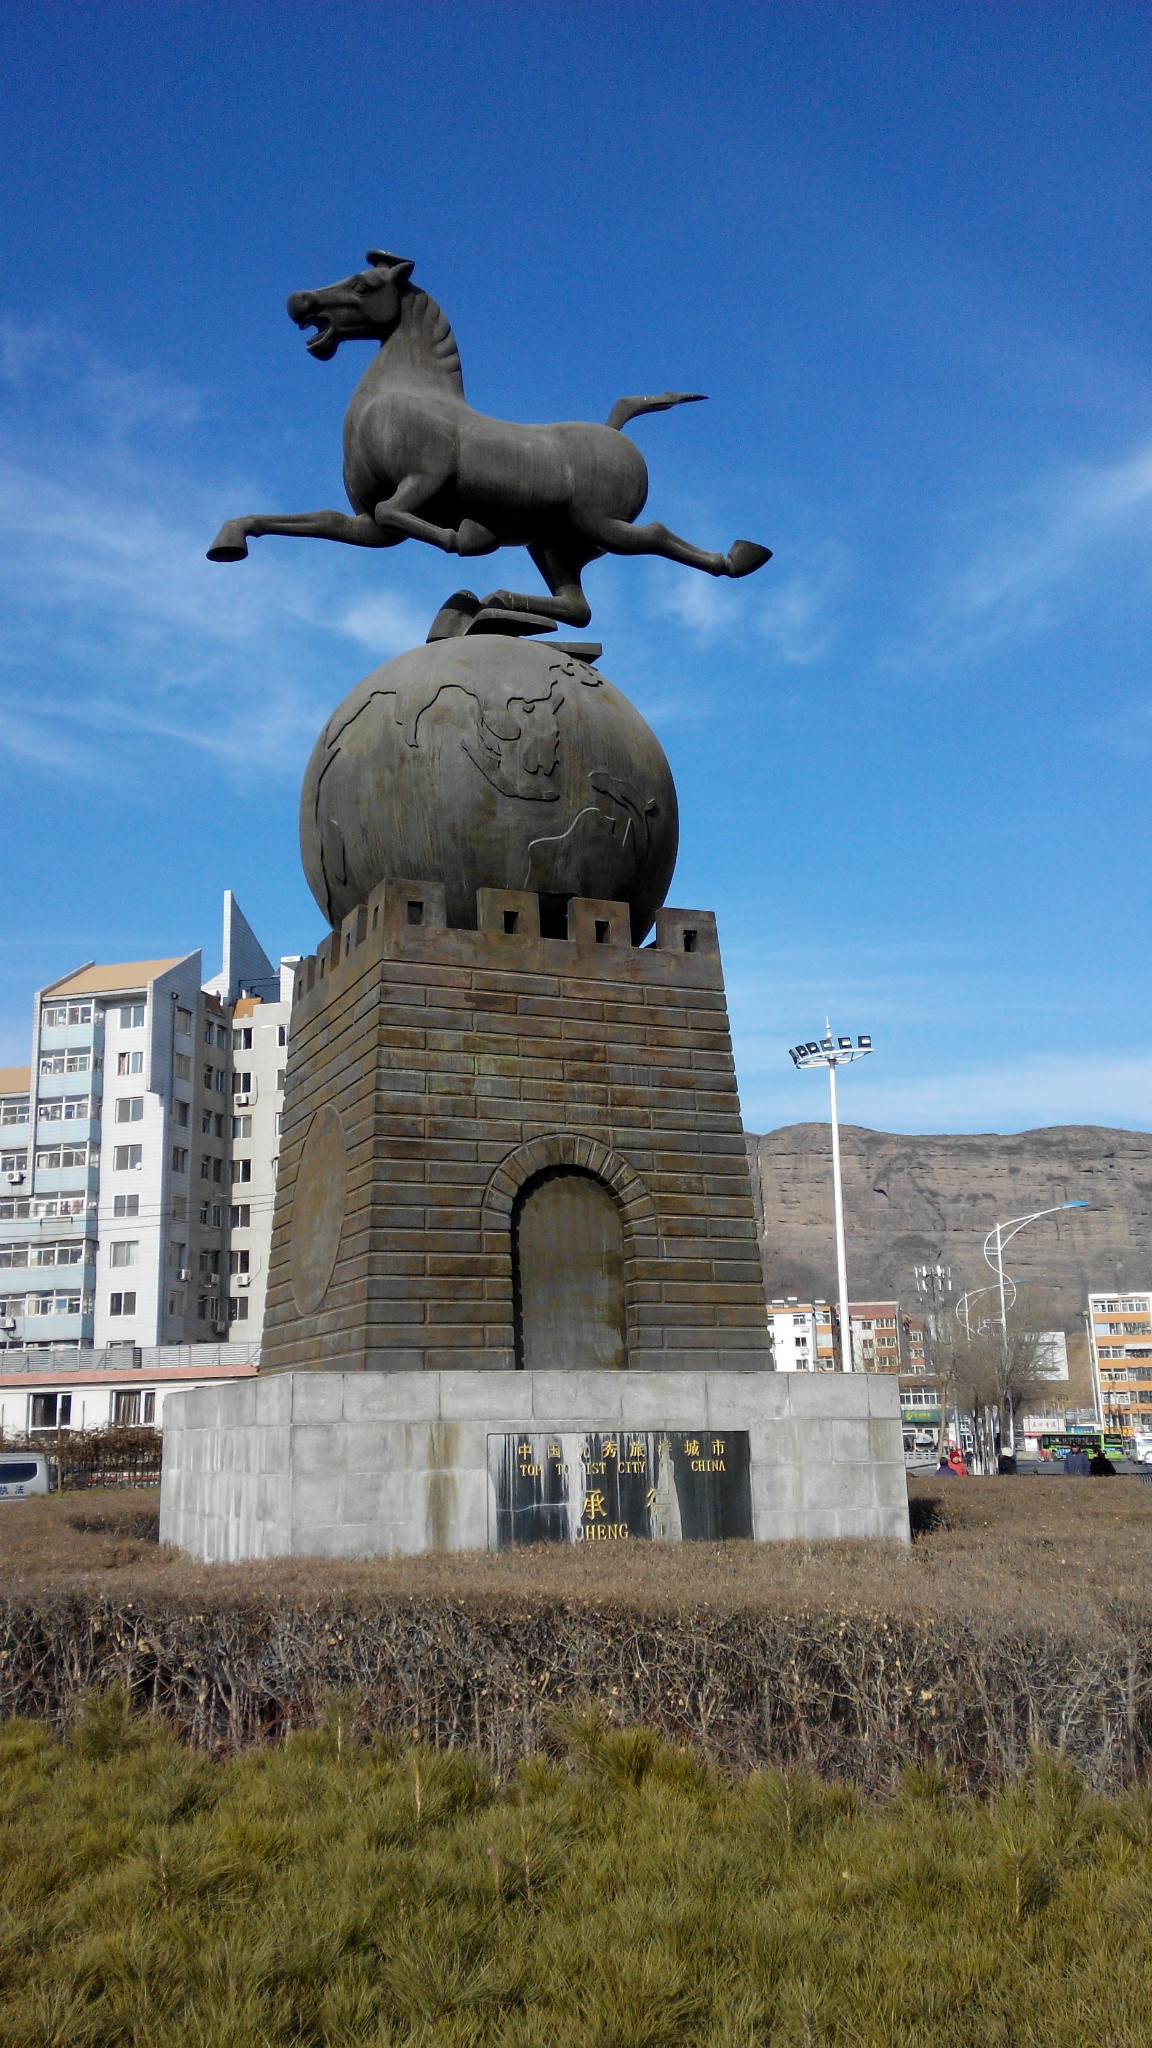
918, 1200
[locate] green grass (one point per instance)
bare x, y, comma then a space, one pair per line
616, 1895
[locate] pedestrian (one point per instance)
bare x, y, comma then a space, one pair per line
944, 1469
1101, 1466
1076, 1464
956, 1464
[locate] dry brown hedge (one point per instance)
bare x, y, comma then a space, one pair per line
854, 1696
1021, 1616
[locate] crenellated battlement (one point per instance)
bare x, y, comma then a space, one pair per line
515, 928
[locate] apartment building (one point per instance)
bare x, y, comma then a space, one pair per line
802, 1335
259, 1035
875, 1327
1120, 1341
120, 1149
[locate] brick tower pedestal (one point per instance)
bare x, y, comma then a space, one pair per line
502, 1148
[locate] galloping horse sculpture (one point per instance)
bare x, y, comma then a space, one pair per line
420, 464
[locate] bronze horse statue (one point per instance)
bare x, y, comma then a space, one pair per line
420, 464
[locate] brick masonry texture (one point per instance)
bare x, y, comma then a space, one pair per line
462, 1063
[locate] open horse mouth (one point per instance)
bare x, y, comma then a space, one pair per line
302, 308
325, 342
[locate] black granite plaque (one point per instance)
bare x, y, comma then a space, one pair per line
606, 1486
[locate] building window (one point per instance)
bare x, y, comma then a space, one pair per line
205, 1166
221, 1081
241, 1083
181, 1067
210, 1263
241, 1127
281, 1034
14, 1109
179, 1158
63, 1156
132, 1016
241, 1171
183, 1022
66, 1013
68, 1109
125, 1205
16, 1162
126, 1409
240, 1216
238, 1309
279, 1121
130, 1109
149, 1415
281, 1075
126, 1252
51, 1411
122, 1304
238, 1262
179, 1208
242, 1040
180, 1113
130, 1063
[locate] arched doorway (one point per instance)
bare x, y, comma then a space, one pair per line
568, 1273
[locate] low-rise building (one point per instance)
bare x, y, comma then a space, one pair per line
802, 1335
875, 1335
1120, 1341
115, 1387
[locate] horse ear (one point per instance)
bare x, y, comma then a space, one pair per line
383, 259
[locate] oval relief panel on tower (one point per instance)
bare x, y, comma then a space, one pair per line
318, 1209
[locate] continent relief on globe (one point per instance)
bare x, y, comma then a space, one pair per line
489, 763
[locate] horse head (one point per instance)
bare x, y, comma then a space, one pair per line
363, 307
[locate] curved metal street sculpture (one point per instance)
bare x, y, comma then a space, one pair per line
420, 464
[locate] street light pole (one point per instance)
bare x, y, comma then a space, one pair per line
1003, 1233
832, 1053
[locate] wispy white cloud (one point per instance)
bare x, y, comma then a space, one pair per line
116, 627
1040, 556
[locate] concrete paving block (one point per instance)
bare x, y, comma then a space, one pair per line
317, 1396
884, 1395
315, 1498
828, 1486
273, 1399
379, 1397
832, 1396
473, 1396
850, 1442
317, 1448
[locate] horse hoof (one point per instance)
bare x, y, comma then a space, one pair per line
230, 544
454, 616
744, 556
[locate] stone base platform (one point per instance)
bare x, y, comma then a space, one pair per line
353, 1464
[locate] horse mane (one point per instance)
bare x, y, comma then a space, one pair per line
423, 341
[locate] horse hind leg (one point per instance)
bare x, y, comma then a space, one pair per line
561, 571
618, 537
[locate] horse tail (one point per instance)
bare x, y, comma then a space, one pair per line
626, 409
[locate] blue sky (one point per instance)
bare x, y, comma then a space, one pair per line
905, 252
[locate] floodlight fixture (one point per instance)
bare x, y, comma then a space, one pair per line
833, 1052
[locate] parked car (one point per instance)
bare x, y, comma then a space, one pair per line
22, 1473
1142, 1450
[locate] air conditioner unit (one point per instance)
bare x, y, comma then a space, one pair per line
9, 1322
184, 1273
242, 1279
242, 1101
220, 1329
15, 1180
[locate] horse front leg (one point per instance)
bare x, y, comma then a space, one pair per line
561, 571
231, 543
397, 515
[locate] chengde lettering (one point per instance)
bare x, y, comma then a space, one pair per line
614, 1486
